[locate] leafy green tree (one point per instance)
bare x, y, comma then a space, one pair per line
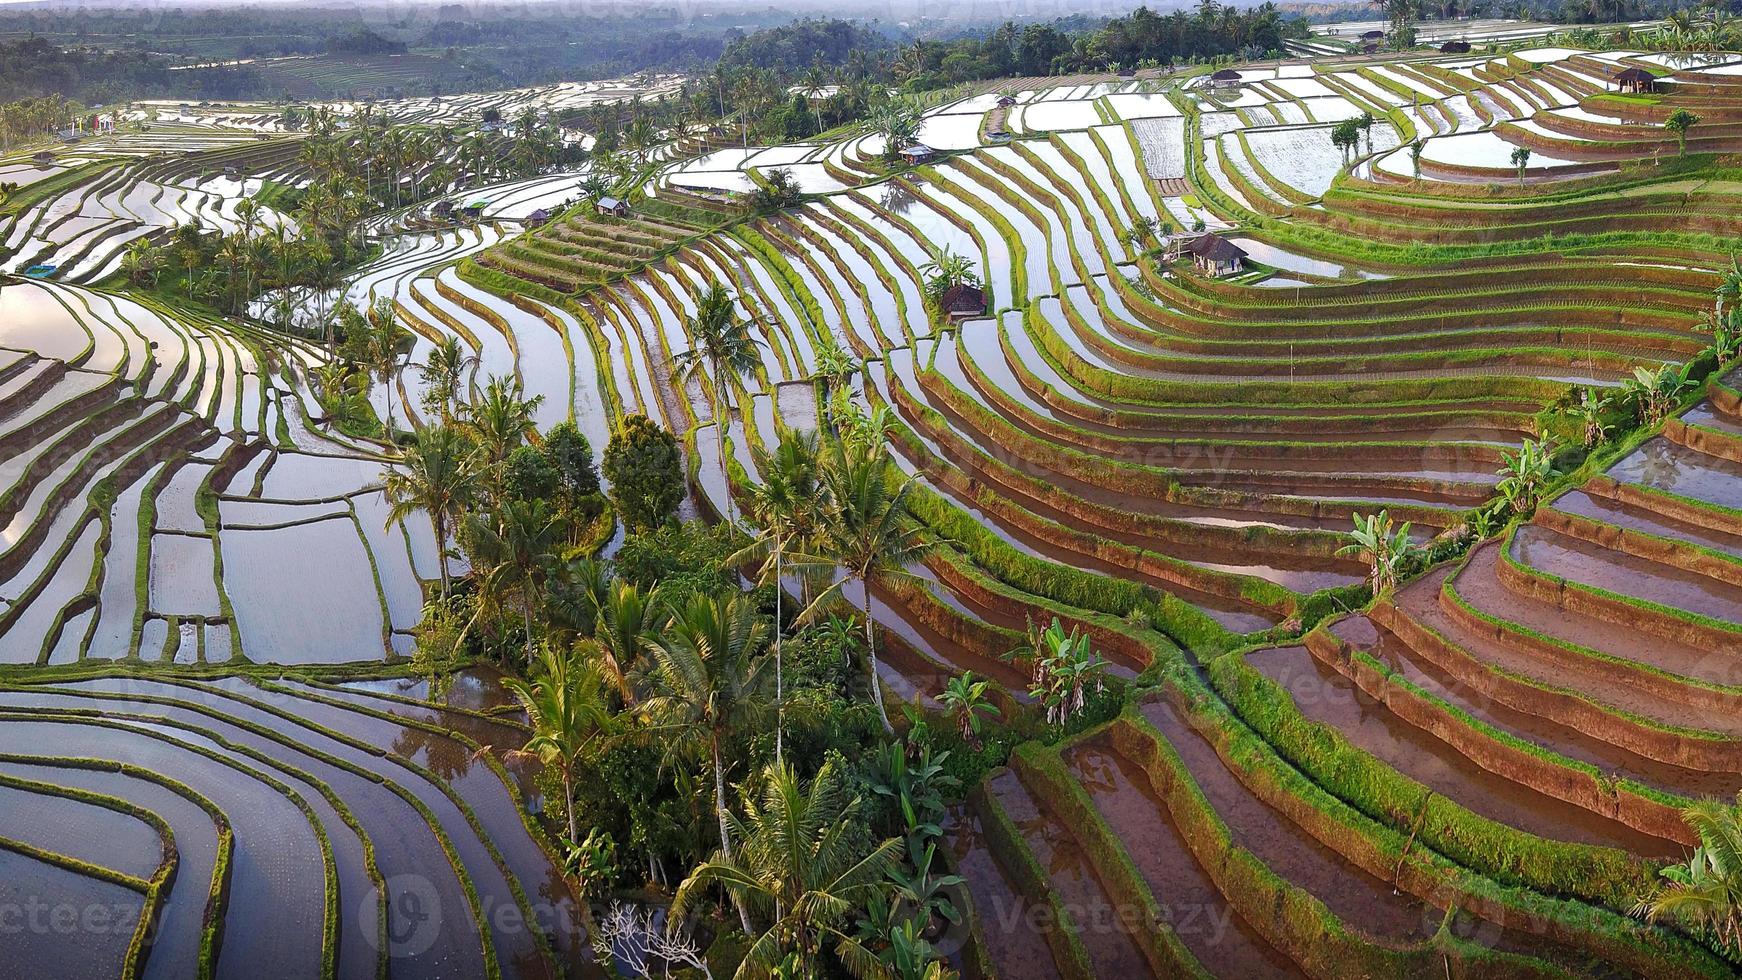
1678, 123
529, 475
572, 456
645, 470
1521, 160
804, 867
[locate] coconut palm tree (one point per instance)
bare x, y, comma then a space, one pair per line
866, 533
787, 506
499, 419
566, 709
803, 871
384, 350
444, 372
627, 623
710, 686
511, 556
723, 344
1706, 891
439, 476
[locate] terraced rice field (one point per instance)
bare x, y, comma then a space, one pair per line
1476, 776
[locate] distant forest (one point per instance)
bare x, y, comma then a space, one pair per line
97, 55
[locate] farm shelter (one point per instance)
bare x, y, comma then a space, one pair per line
1216, 256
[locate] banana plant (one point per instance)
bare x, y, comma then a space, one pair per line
965, 698
1656, 392
1065, 668
1524, 474
1382, 544
1588, 411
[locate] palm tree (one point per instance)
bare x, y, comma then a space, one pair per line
866, 533
384, 350
803, 871
500, 419
1415, 151
627, 623
722, 342
512, 551
437, 475
444, 371
786, 505
567, 711
709, 688
1383, 546
1706, 891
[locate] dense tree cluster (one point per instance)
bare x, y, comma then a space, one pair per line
364, 41
36, 68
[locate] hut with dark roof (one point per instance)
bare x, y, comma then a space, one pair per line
1634, 80
1216, 256
1225, 78
963, 301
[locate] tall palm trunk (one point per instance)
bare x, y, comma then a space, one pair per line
569, 799
726, 830
871, 656
440, 520
779, 679
720, 411
526, 611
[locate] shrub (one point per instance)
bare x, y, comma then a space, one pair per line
645, 469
